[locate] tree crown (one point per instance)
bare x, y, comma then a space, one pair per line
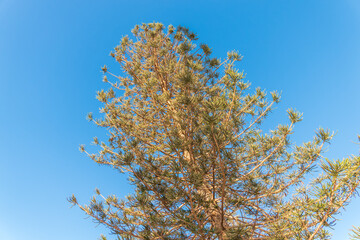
186, 128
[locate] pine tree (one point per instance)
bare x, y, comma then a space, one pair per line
186, 128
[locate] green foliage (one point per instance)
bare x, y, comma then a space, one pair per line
186, 129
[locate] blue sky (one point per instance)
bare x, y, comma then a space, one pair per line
50, 58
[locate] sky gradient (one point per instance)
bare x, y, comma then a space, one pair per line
50, 58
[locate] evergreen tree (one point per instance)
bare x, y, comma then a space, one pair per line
187, 130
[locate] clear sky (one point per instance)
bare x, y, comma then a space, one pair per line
50, 58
